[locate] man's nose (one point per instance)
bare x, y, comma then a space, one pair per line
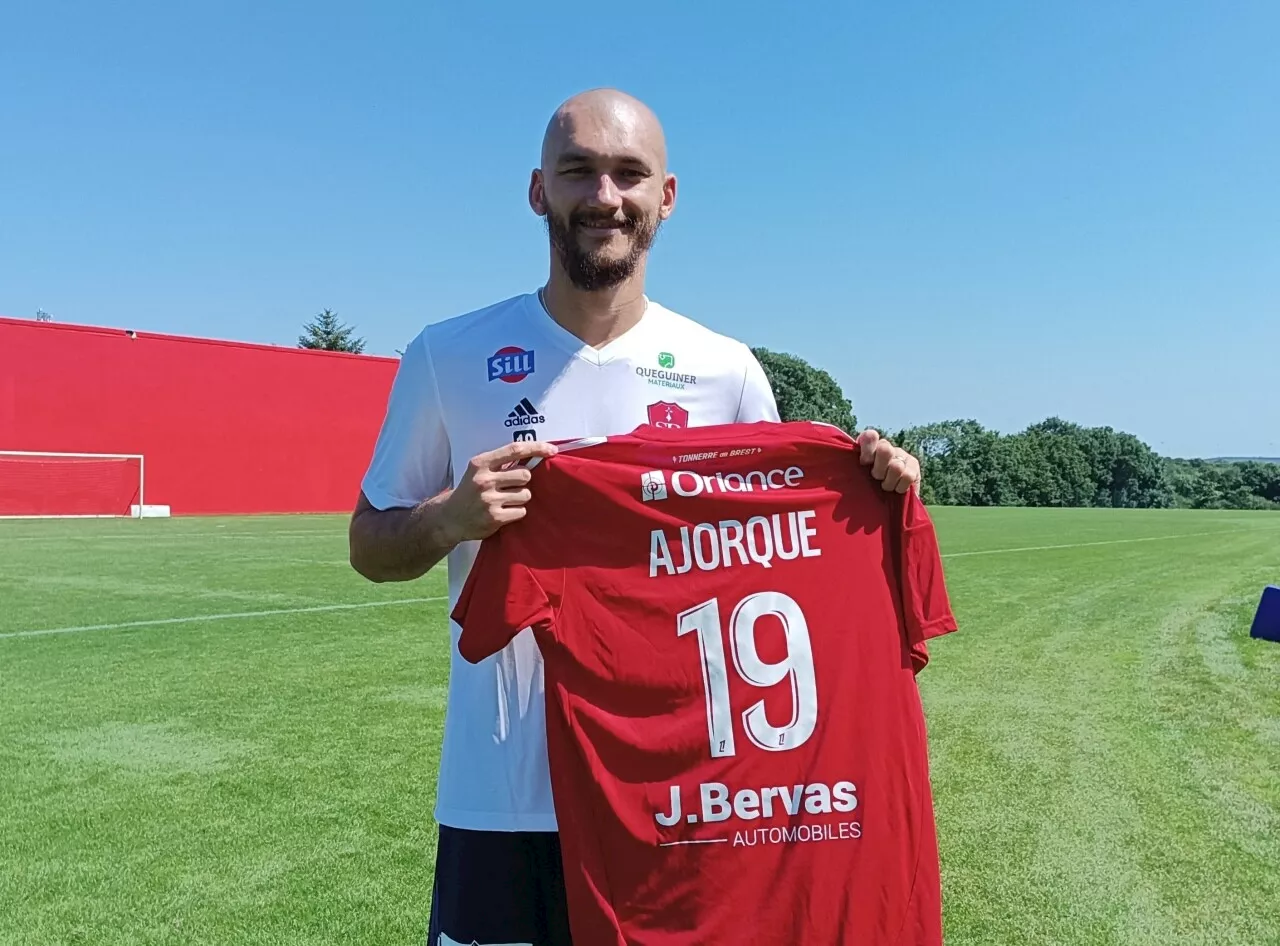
606, 193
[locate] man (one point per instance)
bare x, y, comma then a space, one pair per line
587, 354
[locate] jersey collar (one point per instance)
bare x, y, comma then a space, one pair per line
625, 344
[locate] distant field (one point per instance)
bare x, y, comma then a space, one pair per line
177, 766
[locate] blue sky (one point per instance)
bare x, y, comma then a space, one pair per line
1002, 211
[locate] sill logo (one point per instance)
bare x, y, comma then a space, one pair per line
510, 364
654, 487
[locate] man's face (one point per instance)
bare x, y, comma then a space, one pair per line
604, 193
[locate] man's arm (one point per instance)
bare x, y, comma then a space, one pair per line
401, 544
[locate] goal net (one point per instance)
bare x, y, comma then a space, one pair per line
69, 485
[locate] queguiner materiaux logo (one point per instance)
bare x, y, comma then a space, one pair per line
665, 376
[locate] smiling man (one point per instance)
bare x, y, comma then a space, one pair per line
587, 354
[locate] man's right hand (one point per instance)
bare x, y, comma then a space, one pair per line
401, 544
493, 492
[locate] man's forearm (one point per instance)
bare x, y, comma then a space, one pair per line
399, 544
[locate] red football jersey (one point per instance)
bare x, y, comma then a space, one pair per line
731, 620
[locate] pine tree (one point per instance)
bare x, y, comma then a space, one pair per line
327, 333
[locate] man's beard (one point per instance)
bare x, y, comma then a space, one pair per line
590, 271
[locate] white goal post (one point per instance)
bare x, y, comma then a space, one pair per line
52, 485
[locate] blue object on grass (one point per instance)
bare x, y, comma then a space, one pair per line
1266, 623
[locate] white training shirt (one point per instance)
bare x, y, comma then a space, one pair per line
510, 371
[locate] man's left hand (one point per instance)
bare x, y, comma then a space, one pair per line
897, 470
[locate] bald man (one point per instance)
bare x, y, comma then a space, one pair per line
586, 354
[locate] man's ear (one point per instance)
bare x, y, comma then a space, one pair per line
537, 193
668, 197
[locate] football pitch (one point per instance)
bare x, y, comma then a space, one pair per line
213, 731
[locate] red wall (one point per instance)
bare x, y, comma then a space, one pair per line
225, 427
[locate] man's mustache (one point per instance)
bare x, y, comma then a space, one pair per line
583, 220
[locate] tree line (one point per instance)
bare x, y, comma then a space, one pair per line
1059, 463
1052, 463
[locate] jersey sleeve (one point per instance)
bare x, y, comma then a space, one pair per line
757, 402
500, 598
411, 458
925, 601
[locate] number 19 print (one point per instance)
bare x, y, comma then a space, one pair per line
797, 668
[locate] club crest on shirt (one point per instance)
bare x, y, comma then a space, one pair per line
668, 414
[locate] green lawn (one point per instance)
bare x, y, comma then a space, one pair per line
1105, 735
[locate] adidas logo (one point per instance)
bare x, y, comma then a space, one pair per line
524, 415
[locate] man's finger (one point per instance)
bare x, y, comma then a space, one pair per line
885, 451
514, 452
507, 479
911, 475
894, 476
505, 515
867, 442
507, 497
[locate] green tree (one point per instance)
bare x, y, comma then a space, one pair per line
804, 392
1064, 465
1135, 475
1262, 479
1052, 463
961, 463
327, 333
1220, 484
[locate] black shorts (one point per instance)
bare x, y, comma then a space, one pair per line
498, 887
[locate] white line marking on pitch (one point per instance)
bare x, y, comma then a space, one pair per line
1081, 545
58, 537
197, 618
381, 604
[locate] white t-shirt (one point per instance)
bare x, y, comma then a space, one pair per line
506, 372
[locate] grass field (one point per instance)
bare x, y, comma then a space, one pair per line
179, 764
